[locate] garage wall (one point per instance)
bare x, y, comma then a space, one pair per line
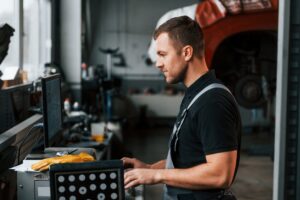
128, 24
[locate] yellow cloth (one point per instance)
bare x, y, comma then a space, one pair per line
45, 163
98, 138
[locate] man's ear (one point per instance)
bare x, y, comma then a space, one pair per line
187, 52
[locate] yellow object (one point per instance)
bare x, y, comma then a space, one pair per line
98, 138
45, 163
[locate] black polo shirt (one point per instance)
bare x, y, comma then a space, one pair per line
212, 125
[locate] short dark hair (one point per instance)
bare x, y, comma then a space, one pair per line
183, 31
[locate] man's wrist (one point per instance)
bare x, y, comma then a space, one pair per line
159, 175
151, 166
158, 165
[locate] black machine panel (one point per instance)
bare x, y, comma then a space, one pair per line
93, 180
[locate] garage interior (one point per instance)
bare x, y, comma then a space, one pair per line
114, 101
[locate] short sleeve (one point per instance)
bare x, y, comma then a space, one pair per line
218, 129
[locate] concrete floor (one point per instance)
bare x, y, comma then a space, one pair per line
253, 181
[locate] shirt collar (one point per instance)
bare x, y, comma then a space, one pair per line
200, 83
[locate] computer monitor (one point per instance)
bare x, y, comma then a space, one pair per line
14, 105
18, 141
52, 108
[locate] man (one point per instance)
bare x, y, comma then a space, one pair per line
204, 147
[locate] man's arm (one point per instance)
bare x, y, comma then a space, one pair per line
135, 163
159, 165
218, 172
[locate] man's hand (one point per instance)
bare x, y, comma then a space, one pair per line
141, 173
137, 177
134, 163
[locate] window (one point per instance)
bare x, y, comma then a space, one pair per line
32, 49
36, 36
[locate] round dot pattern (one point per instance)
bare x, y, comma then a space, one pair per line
88, 185
82, 177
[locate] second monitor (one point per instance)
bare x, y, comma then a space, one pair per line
52, 108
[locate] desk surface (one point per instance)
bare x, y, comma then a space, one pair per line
102, 150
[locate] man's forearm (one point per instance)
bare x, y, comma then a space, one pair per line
218, 172
158, 165
192, 178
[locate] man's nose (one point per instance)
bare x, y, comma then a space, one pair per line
158, 64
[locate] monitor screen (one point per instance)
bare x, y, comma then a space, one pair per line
14, 105
52, 108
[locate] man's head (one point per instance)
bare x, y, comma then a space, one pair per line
178, 41
183, 31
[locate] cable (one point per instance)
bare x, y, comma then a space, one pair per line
38, 125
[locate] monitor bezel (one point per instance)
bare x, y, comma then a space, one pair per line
44, 80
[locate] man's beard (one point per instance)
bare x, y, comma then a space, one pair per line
180, 77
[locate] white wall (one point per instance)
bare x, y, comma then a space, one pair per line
128, 24
70, 37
